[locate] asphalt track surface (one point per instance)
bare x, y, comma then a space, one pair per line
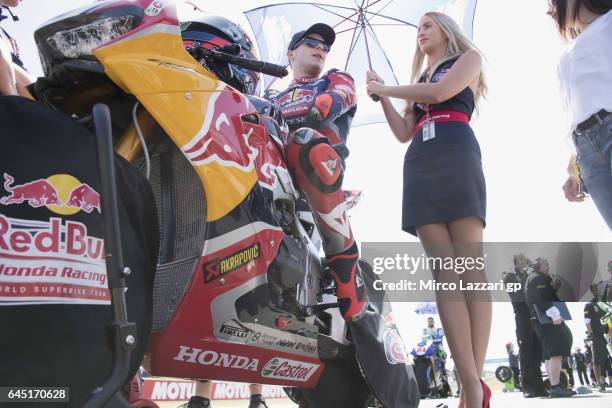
500, 400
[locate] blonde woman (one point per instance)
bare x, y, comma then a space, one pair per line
444, 200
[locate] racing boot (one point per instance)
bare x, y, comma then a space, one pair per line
350, 287
558, 392
257, 401
197, 402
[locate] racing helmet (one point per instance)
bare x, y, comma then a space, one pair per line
214, 32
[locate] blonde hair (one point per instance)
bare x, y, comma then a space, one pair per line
458, 44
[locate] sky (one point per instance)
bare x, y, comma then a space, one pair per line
521, 129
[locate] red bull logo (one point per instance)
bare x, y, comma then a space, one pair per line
37, 193
394, 348
85, 198
223, 138
60, 193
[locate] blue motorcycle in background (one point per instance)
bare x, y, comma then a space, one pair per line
429, 359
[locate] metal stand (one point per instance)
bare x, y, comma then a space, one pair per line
123, 332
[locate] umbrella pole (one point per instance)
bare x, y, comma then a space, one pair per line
374, 97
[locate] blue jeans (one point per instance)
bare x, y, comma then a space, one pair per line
594, 156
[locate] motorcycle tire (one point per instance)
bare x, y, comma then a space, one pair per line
503, 374
420, 371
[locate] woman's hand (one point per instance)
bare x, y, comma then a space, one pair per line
571, 189
375, 88
375, 83
373, 76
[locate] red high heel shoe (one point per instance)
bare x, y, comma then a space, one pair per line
486, 395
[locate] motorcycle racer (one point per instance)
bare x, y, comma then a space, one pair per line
319, 110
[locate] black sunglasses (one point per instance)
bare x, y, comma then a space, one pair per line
313, 43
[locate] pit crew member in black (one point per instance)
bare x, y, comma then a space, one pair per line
592, 319
581, 366
530, 350
556, 337
319, 110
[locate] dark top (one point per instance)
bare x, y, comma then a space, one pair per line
605, 291
539, 290
462, 102
519, 302
588, 350
580, 359
513, 359
516, 277
591, 311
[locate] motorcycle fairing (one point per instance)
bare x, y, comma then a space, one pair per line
201, 114
209, 310
249, 333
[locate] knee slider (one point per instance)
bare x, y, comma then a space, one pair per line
322, 165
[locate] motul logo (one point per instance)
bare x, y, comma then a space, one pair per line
54, 239
283, 369
213, 358
173, 390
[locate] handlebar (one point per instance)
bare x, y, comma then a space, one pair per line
260, 66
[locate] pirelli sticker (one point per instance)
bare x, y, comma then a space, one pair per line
219, 267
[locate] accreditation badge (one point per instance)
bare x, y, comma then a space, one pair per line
429, 130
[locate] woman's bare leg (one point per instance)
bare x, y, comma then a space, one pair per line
454, 313
467, 235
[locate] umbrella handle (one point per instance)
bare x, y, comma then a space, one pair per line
375, 97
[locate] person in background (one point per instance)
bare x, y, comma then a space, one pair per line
581, 367
606, 371
604, 292
568, 365
13, 75
431, 332
204, 390
513, 361
585, 76
592, 319
530, 350
588, 352
556, 337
